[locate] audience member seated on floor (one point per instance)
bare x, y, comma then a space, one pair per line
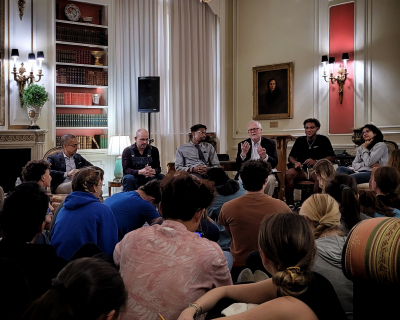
373, 207
324, 170
86, 288
227, 189
65, 164
140, 162
21, 221
39, 171
133, 209
394, 161
372, 153
166, 266
242, 216
343, 188
384, 182
304, 155
322, 213
83, 219
15, 294
294, 292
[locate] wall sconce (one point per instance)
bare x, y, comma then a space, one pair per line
340, 79
20, 77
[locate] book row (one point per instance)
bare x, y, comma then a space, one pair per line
74, 98
81, 120
81, 77
86, 36
99, 141
74, 56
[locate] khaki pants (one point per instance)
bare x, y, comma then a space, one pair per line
64, 188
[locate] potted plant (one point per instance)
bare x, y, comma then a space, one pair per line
33, 98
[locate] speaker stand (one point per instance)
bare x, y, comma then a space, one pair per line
148, 126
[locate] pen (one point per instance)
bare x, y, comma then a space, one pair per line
161, 317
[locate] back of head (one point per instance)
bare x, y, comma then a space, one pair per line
387, 179
324, 170
23, 212
152, 189
34, 170
218, 176
370, 205
182, 195
254, 173
86, 178
287, 241
85, 289
323, 210
343, 188
394, 159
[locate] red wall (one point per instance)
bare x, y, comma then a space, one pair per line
341, 39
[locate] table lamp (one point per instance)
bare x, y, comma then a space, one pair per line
115, 148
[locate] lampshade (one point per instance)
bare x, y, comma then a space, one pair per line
345, 56
331, 60
14, 53
324, 59
31, 57
40, 55
118, 144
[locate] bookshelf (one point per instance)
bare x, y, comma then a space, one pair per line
81, 84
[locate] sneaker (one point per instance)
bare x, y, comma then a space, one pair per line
246, 276
260, 276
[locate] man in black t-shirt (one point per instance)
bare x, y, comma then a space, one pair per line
303, 156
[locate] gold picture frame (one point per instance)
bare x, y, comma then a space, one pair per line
2, 53
272, 92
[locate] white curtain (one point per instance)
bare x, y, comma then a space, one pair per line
177, 40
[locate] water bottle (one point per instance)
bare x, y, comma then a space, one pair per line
18, 182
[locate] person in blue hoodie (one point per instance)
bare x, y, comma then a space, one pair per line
84, 219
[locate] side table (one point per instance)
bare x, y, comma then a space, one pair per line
113, 184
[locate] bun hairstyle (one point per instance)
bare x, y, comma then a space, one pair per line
324, 170
288, 242
323, 210
183, 194
86, 178
85, 289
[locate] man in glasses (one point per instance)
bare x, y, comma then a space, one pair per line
65, 164
140, 162
257, 147
196, 156
305, 153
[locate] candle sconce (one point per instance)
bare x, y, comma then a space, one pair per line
20, 76
341, 77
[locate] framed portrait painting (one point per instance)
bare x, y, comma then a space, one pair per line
272, 92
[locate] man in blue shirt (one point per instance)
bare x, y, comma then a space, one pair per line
133, 209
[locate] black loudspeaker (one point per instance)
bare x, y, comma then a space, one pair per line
149, 94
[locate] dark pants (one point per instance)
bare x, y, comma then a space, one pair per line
361, 177
131, 183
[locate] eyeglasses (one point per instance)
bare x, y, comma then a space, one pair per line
366, 132
253, 129
73, 145
202, 132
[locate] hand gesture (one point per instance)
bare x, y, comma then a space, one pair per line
245, 146
297, 165
202, 169
367, 143
375, 165
72, 172
310, 162
261, 152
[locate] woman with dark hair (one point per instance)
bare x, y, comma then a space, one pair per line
372, 207
86, 288
166, 266
83, 219
394, 161
343, 188
274, 99
372, 153
288, 250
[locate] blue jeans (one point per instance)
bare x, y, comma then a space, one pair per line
361, 177
229, 259
132, 183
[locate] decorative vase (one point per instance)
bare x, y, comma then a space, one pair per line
97, 55
96, 98
357, 136
34, 115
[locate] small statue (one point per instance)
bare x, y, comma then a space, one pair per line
21, 7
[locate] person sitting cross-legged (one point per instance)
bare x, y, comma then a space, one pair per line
164, 267
133, 209
242, 216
